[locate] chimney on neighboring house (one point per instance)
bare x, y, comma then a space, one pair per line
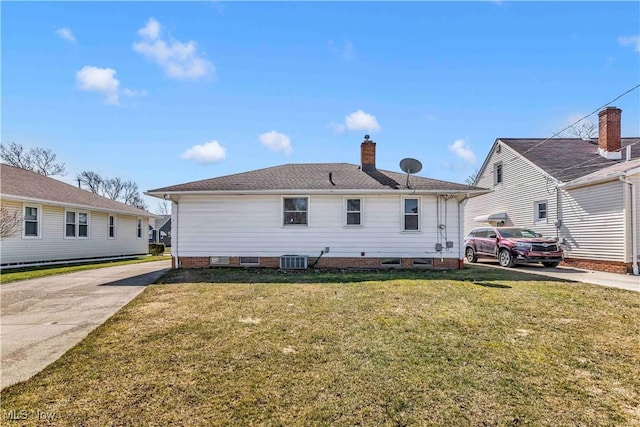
368, 154
609, 133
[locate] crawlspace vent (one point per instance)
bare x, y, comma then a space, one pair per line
294, 262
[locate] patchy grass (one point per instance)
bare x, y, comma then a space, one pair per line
390, 349
15, 274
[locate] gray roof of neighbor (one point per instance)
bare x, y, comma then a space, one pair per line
28, 185
316, 176
568, 158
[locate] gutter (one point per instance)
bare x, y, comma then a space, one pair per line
634, 224
286, 191
174, 229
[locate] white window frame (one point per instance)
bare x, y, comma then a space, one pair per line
114, 226
403, 226
38, 220
76, 224
536, 211
282, 211
496, 166
347, 212
139, 228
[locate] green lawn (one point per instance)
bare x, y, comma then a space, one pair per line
14, 274
479, 347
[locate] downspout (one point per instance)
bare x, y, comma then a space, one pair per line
461, 232
174, 234
634, 224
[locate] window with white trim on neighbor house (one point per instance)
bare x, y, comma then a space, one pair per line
31, 227
540, 211
295, 210
497, 173
112, 227
411, 217
76, 224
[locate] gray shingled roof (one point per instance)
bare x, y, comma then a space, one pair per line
27, 185
315, 176
568, 158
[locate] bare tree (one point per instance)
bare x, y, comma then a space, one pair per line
585, 130
471, 179
39, 160
114, 188
164, 208
91, 180
10, 221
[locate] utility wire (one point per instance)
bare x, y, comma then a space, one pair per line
577, 121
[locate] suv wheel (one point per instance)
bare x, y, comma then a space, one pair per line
470, 254
551, 264
506, 259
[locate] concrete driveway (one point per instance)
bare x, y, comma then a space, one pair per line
612, 280
40, 319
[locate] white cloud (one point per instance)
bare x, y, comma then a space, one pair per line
276, 141
344, 51
66, 34
630, 40
358, 120
210, 152
462, 150
99, 80
103, 80
179, 60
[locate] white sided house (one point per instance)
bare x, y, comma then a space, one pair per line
329, 215
583, 192
48, 221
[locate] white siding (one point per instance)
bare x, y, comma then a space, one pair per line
54, 246
522, 186
252, 226
594, 223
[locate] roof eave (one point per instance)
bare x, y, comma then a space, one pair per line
167, 194
74, 205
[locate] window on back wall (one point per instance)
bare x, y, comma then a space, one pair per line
31, 228
76, 224
353, 212
295, 210
139, 228
112, 227
411, 218
540, 211
497, 173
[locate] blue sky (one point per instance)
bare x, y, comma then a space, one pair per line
165, 92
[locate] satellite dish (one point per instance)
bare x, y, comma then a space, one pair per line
410, 166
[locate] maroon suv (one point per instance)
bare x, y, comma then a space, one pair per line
510, 245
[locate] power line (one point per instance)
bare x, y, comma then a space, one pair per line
577, 121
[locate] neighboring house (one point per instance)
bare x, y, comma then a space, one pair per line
58, 222
327, 214
160, 230
583, 192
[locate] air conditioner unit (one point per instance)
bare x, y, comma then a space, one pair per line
294, 262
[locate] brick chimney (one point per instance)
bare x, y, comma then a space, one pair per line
609, 133
368, 154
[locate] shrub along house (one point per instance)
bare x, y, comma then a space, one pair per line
325, 214
583, 192
48, 221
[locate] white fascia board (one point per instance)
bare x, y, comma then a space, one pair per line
302, 191
75, 206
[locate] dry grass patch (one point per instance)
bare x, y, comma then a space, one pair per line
393, 352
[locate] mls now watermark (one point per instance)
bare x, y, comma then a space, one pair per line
25, 414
